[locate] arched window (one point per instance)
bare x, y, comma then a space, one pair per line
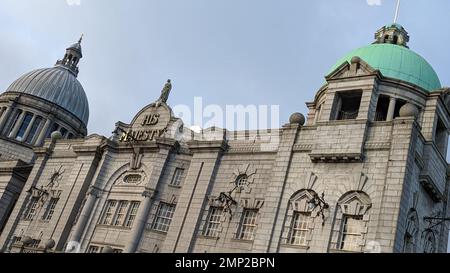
412, 229
429, 244
351, 222
298, 225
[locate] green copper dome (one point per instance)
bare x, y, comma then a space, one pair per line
396, 62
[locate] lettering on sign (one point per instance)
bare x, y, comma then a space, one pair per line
149, 124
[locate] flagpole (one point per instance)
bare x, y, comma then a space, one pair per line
397, 10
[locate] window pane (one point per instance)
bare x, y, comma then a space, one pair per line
33, 130
164, 217
351, 233
176, 179
23, 127
132, 212
50, 209
109, 212
13, 124
299, 229
214, 222
32, 209
120, 214
248, 225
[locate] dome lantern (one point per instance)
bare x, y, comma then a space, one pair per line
72, 57
392, 34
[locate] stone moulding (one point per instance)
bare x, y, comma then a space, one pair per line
430, 187
336, 158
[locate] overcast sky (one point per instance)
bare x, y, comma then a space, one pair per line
262, 52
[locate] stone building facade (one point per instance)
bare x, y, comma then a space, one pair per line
365, 172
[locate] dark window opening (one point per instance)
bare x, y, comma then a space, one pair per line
54, 127
13, 124
347, 105
395, 39
34, 128
382, 108
63, 132
441, 137
23, 127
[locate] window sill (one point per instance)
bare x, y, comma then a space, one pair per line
115, 227
242, 241
157, 231
201, 236
344, 251
295, 246
175, 186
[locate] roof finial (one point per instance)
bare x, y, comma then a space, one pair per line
81, 38
397, 10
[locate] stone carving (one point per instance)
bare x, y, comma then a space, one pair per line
55, 178
136, 159
164, 94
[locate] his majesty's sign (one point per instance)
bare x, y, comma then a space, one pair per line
150, 123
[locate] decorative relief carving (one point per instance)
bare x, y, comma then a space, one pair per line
131, 178
243, 178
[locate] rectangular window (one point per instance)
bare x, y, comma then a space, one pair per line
23, 127
248, 224
34, 243
299, 229
109, 212
164, 217
93, 249
347, 105
351, 233
176, 179
13, 124
50, 209
214, 222
33, 130
54, 127
32, 209
132, 212
120, 213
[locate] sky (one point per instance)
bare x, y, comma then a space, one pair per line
229, 52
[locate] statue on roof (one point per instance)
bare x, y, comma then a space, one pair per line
164, 94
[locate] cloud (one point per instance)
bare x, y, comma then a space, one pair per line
374, 2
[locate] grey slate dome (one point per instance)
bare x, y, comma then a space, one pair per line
58, 84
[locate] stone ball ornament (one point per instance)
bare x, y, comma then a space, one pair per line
297, 118
355, 59
409, 110
49, 244
56, 135
107, 250
27, 240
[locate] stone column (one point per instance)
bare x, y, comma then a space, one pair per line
17, 125
140, 222
43, 132
391, 110
28, 130
4, 118
84, 215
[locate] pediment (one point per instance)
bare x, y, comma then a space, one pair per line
356, 68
